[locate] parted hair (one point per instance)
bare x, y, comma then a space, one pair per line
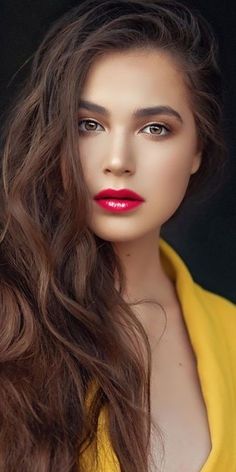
63, 323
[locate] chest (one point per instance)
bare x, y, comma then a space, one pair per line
177, 405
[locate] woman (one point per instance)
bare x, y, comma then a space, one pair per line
106, 338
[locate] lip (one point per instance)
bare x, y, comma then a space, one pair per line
120, 194
117, 205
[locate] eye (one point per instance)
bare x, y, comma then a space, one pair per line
159, 129
162, 130
86, 122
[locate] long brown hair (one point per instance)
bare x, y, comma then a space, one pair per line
63, 323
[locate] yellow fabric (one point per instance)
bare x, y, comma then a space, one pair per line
211, 323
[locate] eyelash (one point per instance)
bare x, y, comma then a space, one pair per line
167, 129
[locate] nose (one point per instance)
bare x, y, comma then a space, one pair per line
119, 159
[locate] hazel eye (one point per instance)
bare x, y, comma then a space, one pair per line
160, 128
89, 126
88, 122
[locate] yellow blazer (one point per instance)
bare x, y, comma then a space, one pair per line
211, 323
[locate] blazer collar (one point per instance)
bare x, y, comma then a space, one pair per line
205, 326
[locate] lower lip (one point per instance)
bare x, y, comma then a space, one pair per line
117, 206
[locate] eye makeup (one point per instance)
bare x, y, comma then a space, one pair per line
164, 127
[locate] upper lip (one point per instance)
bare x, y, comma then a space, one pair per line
121, 193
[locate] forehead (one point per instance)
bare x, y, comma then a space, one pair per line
134, 77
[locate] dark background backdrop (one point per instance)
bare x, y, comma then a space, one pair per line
203, 234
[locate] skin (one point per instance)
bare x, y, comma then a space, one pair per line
121, 151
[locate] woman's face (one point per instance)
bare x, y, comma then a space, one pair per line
153, 155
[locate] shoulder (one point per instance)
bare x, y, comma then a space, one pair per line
215, 302
220, 311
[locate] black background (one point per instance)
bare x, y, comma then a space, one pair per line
203, 234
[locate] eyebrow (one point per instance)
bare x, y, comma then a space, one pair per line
138, 113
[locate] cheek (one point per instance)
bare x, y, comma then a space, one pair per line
169, 181
90, 172
87, 151
174, 164
176, 173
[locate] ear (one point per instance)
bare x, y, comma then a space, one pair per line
196, 162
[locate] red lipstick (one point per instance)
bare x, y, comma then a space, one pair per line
118, 200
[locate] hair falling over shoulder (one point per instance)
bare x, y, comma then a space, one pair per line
63, 323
